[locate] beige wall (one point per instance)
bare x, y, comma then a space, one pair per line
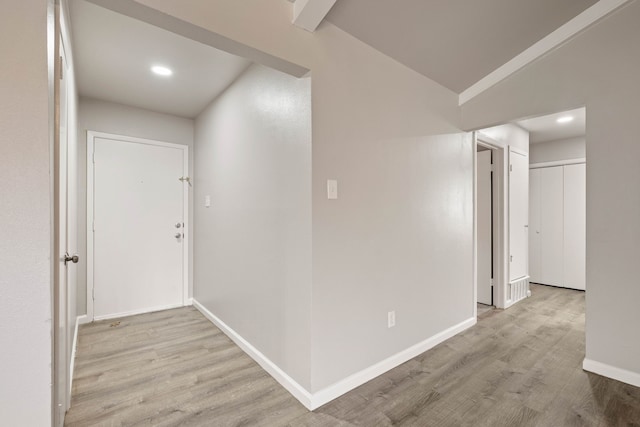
25, 216
598, 69
103, 116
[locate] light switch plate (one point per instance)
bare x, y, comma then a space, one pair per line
332, 189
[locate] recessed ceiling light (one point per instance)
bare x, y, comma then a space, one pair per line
565, 119
161, 71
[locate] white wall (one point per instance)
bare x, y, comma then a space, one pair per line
509, 135
560, 149
598, 69
253, 245
25, 216
120, 119
397, 236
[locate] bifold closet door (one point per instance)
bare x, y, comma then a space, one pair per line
552, 226
575, 226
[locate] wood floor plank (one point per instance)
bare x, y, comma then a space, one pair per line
518, 367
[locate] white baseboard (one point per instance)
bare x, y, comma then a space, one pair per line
139, 311
612, 372
341, 387
83, 319
278, 374
189, 302
314, 400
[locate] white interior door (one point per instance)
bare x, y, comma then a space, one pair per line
552, 224
575, 226
484, 221
62, 354
518, 214
139, 221
534, 225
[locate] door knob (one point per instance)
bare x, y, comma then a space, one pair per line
178, 235
75, 258
178, 225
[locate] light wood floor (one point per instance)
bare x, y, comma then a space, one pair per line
519, 367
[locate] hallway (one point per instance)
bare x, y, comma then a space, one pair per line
516, 367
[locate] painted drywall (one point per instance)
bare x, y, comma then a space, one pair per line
598, 69
26, 216
400, 234
560, 149
509, 135
253, 245
120, 119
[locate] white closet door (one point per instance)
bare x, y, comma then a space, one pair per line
518, 215
551, 228
534, 225
575, 226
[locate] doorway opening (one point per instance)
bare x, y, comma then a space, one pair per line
557, 199
489, 223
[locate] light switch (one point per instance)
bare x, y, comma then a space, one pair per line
207, 201
332, 189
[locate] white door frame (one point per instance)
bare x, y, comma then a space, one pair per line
500, 232
91, 136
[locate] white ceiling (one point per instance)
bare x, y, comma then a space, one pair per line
113, 55
546, 128
454, 42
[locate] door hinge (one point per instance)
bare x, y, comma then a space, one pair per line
61, 68
93, 226
511, 258
510, 168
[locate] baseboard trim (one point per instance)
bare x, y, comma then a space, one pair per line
619, 374
140, 311
315, 400
341, 387
278, 374
83, 319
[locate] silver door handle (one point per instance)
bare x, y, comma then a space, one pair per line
178, 235
178, 225
75, 258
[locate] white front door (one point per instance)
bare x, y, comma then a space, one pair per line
139, 221
484, 221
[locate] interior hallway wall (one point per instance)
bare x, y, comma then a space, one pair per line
598, 69
102, 116
400, 233
253, 245
559, 149
509, 135
26, 215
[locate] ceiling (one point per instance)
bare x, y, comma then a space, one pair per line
113, 55
454, 42
546, 128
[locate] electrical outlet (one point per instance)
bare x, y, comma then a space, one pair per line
391, 319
